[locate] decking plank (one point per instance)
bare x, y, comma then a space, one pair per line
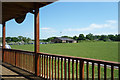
10, 72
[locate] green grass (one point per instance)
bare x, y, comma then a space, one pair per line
97, 50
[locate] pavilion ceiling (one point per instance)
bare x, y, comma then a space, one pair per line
12, 10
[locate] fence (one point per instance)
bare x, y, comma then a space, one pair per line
63, 67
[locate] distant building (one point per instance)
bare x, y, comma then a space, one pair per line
63, 40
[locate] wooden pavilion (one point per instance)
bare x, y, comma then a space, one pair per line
18, 11
49, 66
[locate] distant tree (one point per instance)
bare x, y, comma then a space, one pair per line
43, 40
49, 39
117, 37
14, 39
96, 37
66, 37
103, 37
28, 39
75, 37
20, 38
8, 39
24, 39
89, 36
81, 37
111, 37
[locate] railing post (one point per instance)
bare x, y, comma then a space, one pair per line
77, 70
49, 67
112, 72
72, 69
105, 72
98, 71
15, 59
3, 42
81, 70
69, 69
87, 68
36, 36
119, 72
61, 68
58, 68
65, 67
93, 74
52, 68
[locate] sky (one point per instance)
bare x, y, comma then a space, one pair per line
69, 19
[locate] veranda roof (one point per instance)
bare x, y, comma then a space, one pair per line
11, 10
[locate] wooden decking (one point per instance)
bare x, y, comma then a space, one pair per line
10, 72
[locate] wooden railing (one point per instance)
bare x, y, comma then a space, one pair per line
63, 67
21, 59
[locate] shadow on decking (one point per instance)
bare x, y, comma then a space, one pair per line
21, 74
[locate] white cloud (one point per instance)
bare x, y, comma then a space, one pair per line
47, 29
111, 21
110, 24
47, 32
108, 27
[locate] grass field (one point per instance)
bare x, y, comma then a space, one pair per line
97, 50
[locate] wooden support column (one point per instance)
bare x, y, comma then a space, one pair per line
36, 37
3, 42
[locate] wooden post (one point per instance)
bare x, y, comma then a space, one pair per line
58, 68
36, 37
52, 68
93, 70
49, 67
81, 70
61, 68
65, 67
72, 69
77, 70
87, 68
68, 69
98, 71
3, 42
112, 72
105, 72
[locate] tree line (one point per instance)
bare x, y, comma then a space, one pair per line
91, 37
81, 37
17, 39
98, 37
